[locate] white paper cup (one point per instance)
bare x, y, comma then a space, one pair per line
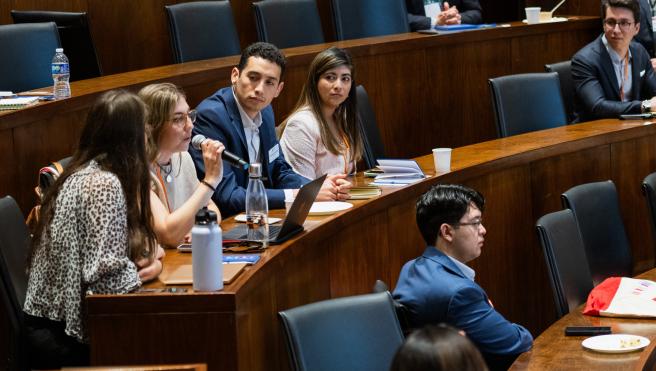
442, 159
533, 14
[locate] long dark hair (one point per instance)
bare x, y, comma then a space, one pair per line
346, 115
438, 348
114, 136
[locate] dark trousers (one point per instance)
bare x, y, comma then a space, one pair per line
50, 348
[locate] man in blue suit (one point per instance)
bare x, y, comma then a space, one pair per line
613, 75
241, 117
452, 12
438, 287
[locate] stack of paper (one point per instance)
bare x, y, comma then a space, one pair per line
364, 193
398, 172
16, 103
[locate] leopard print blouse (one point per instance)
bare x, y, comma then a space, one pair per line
83, 250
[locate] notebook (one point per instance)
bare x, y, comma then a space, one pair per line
183, 274
294, 220
16, 103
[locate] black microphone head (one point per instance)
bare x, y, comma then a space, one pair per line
197, 140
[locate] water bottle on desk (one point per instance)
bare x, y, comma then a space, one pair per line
60, 75
207, 252
257, 208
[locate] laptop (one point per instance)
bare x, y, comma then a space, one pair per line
294, 220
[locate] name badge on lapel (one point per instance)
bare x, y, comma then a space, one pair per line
274, 152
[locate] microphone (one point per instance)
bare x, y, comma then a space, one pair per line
232, 159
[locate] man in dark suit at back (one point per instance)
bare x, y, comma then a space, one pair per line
613, 75
452, 12
240, 116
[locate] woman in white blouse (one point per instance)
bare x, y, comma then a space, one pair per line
94, 232
178, 194
322, 135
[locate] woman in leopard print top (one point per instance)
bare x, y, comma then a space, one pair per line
94, 233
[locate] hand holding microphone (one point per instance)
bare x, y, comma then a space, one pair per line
232, 159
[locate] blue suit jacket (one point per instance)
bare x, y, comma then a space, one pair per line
219, 119
435, 290
597, 90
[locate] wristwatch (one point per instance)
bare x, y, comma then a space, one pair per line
646, 106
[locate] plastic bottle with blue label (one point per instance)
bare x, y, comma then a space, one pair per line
61, 73
207, 252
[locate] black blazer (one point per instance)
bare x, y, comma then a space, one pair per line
597, 90
470, 11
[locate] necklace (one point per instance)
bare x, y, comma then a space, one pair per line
167, 169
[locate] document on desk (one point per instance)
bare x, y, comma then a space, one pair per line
398, 172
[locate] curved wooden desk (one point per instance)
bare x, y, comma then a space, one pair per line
522, 178
427, 91
552, 349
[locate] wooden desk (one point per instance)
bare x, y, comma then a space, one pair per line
552, 349
427, 91
522, 178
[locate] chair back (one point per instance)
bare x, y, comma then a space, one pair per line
27, 51
564, 71
351, 333
649, 190
373, 144
14, 243
202, 30
527, 102
566, 260
288, 23
75, 38
597, 212
355, 19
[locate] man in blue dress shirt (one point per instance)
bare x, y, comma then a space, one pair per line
439, 287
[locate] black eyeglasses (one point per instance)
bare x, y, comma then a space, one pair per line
476, 224
180, 119
624, 24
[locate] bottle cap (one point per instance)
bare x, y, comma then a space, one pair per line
255, 170
59, 50
205, 216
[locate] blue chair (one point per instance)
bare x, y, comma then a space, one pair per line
566, 260
527, 102
14, 243
288, 23
75, 39
355, 19
564, 71
352, 333
373, 144
202, 30
27, 51
597, 212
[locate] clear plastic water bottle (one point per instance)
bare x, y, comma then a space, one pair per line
257, 208
207, 252
61, 73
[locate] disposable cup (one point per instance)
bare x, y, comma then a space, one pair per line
442, 159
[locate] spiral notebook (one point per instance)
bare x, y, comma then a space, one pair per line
17, 103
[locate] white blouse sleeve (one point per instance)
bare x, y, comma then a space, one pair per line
299, 144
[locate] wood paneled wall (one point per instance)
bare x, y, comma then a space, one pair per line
133, 34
